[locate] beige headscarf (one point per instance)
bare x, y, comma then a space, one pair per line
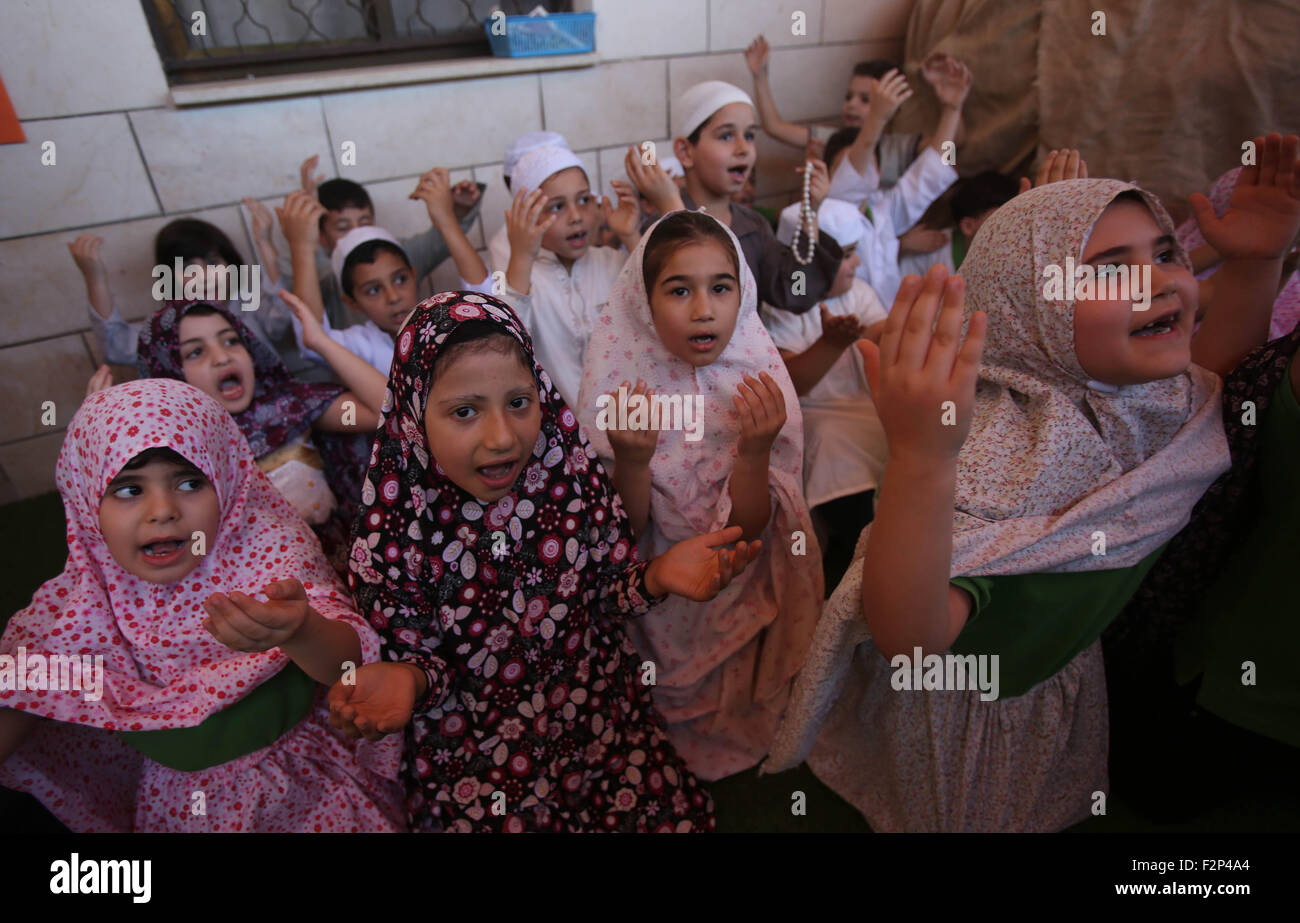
1051, 458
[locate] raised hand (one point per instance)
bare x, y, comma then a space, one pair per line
1059, 165
950, 79
261, 219
921, 364
891, 92
242, 623
761, 406
434, 190
820, 185
307, 175
85, 253
312, 331
625, 219
465, 195
525, 222
631, 446
1263, 215
653, 182
103, 378
300, 218
698, 568
756, 56
379, 701
841, 330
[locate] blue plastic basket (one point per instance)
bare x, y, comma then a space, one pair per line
557, 33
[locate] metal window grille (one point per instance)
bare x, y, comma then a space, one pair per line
200, 40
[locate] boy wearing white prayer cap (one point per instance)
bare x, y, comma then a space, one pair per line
499, 244
714, 124
844, 443
556, 275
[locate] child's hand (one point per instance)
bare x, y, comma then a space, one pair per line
85, 253
434, 190
525, 222
761, 406
820, 185
464, 195
841, 330
921, 240
261, 218
913, 373
625, 219
1059, 165
305, 175
103, 378
653, 182
242, 623
300, 218
377, 704
756, 56
951, 79
1263, 214
631, 446
698, 568
891, 92
312, 330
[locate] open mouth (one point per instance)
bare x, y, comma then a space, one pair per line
164, 552
1162, 325
577, 239
738, 174
230, 386
703, 342
498, 475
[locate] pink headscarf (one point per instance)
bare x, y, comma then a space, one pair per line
780, 594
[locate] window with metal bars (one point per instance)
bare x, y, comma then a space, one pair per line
203, 40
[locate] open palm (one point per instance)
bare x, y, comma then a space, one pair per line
1263, 214
699, 569
378, 703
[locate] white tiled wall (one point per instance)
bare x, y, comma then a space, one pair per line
86, 76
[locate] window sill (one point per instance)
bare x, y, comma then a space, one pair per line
233, 91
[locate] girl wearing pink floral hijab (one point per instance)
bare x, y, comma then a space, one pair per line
192, 706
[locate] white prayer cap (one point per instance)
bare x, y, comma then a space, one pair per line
541, 163
672, 166
697, 105
837, 218
355, 238
529, 140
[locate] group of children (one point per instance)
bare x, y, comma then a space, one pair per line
552, 622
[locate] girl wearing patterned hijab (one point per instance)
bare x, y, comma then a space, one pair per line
179, 701
683, 319
1092, 438
494, 557
301, 434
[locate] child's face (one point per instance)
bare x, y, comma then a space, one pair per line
1106, 333
384, 291
856, 98
482, 418
215, 360
568, 196
726, 153
972, 223
149, 516
695, 301
848, 269
337, 223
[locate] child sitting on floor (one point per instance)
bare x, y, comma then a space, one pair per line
195, 706
494, 557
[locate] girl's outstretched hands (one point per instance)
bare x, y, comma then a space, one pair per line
761, 406
377, 703
527, 223
923, 382
242, 623
1263, 214
631, 446
699, 568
